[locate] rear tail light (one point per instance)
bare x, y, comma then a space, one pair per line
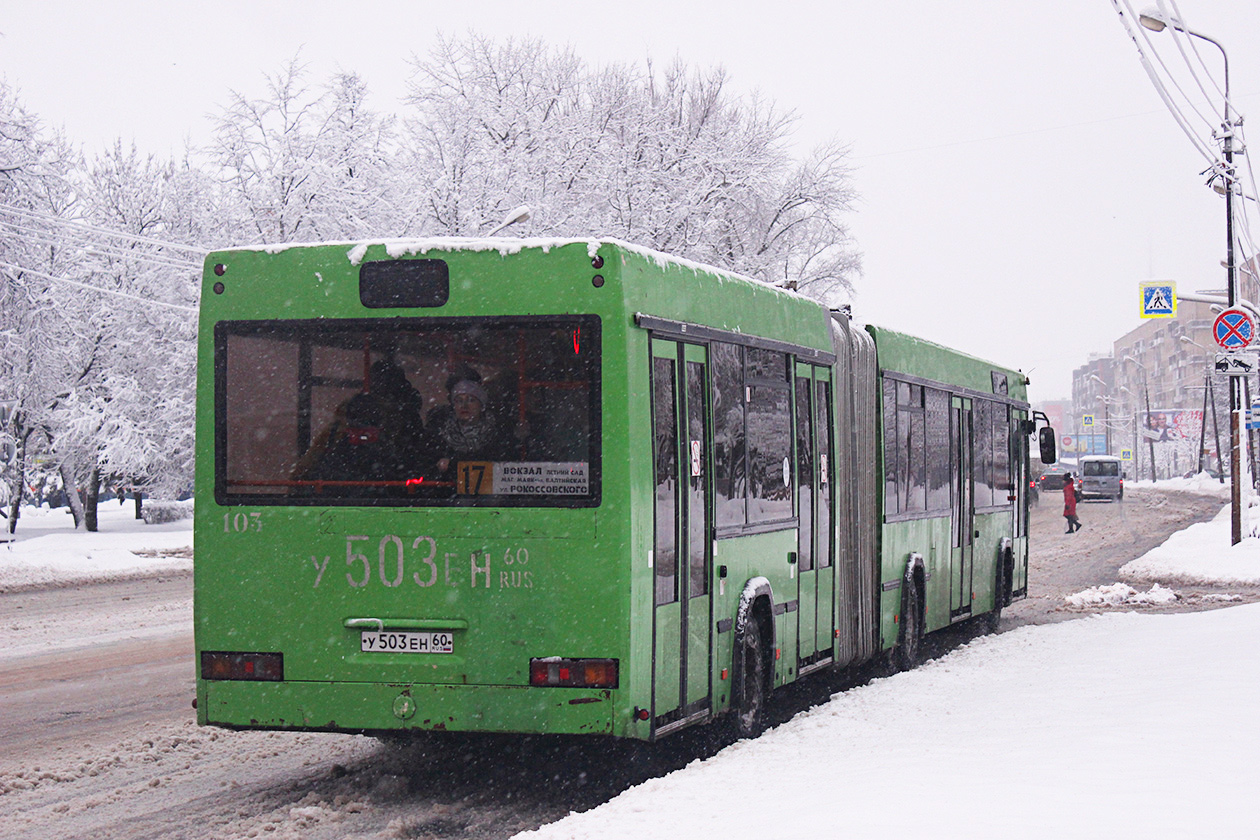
220, 665
573, 673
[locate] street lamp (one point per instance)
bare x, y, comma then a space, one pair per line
1106, 416
1222, 181
1146, 390
516, 214
1134, 398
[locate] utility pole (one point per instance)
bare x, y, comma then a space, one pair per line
1223, 182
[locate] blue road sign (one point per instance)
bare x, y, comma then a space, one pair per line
1159, 300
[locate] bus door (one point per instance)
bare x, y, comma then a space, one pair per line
1019, 472
963, 525
683, 544
814, 460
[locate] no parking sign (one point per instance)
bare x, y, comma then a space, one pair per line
1234, 329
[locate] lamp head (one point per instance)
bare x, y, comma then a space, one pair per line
1152, 20
517, 214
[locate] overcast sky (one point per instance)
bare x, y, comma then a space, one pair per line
1019, 176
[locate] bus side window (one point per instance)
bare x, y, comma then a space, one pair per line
728, 433
665, 462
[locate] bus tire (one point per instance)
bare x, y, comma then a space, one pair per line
751, 691
988, 622
909, 650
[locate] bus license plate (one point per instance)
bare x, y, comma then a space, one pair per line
406, 641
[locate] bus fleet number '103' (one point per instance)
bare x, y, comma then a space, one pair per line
394, 560
242, 522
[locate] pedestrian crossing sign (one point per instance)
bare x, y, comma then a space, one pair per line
1159, 299
1126, 454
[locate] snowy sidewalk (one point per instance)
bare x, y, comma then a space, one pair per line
1116, 726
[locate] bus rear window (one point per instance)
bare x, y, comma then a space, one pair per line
467, 411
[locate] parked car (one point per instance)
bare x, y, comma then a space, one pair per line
1101, 478
1052, 481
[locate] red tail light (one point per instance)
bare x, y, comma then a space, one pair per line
219, 665
573, 673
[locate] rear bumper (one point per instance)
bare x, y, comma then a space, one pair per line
368, 707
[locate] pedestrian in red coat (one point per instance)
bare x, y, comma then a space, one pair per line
1069, 504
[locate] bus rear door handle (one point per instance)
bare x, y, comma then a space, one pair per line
405, 624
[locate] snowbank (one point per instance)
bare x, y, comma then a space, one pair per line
1203, 484
48, 551
1120, 594
1200, 555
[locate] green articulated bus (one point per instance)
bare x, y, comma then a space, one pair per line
544, 486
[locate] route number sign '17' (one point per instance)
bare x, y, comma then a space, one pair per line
1234, 329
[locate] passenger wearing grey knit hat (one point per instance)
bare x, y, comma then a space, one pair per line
470, 432
470, 388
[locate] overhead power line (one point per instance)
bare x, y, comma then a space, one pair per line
43, 237
30, 214
1197, 68
91, 288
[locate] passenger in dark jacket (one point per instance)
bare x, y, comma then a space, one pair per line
356, 449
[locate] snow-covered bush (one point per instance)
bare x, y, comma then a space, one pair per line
159, 512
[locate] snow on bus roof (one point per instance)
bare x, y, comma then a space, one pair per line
505, 246
911, 340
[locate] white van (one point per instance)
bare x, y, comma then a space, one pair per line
1101, 477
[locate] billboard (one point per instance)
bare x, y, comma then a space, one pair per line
1172, 425
1087, 443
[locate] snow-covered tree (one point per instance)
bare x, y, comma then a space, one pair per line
97, 316
668, 158
494, 126
307, 164
135, 413
357, 187
43, 352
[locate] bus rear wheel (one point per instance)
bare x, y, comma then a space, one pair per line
909, 650
989, 622
750, 693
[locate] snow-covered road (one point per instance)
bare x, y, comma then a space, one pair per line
1126, 724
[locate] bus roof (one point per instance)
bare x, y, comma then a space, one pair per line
908, 354
356, 251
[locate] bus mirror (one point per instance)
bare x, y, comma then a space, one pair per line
1046, 441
